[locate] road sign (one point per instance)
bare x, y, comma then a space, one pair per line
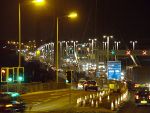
114, 70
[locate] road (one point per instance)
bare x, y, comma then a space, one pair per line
65, 101
130, 107
57, 100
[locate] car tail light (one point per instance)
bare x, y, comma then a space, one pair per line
136, 96
149, 97
8, 105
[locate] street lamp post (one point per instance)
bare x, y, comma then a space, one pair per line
71, 15
116, 44
108, 37
133, 44
92, 43
74, 45
116, 47
19, 26
92, 50
19, 36
104, 45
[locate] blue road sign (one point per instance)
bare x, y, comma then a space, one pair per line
114, 70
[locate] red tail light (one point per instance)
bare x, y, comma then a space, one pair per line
137, 96
149, 97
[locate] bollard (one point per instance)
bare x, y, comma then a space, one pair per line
96, 104
100, 99
84, 102
121, 98
90, 96
116, 104
93, 96
108, 98
85, 98
103, 92
118, 100
112, 106
78, 102
97, 95
106, 92
92, 103
100, 94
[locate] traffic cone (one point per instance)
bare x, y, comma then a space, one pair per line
100, 99
116, 104
96, 104
90, 96
108, 98
78, 102
92, 103
97, 95
85, 98
112, 106
84, 102
93, 95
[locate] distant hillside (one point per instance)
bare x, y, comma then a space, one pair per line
33, 69
9, 58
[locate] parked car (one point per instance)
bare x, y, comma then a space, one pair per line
11, 102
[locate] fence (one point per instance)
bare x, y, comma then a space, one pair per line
32, 87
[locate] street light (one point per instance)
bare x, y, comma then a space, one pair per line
133, 44
107, 45
71, 15
92, 43
40, 2
116, 44
104, 45
116, 47
74, 45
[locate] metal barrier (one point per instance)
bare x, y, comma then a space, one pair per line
32, 87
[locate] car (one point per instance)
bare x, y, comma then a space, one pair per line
11, 102
142, 96
91, 85
81, 83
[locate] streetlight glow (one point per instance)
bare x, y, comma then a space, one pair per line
72, 15
133, 44
39, 2
108, 37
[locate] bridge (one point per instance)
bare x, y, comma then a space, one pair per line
82, 54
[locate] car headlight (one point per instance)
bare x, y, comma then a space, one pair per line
79, 85
17, 102
8, 105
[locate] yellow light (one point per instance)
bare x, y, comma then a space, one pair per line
39, 2
8, 105
73, 15
3, 71
38, 53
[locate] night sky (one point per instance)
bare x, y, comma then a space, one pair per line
124, 19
